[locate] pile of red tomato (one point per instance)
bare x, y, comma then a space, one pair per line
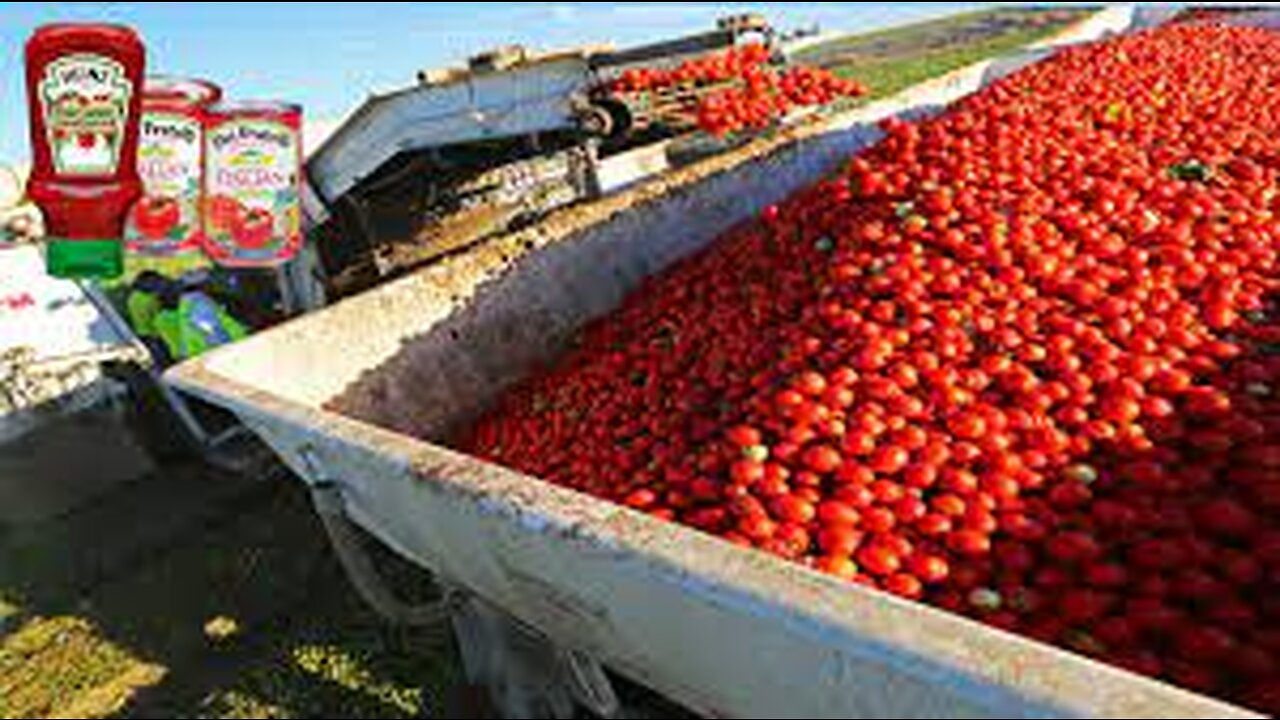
1020, 361
717, 67
755, 95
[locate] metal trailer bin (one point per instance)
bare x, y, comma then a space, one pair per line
358, 399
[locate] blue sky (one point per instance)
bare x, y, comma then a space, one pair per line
330, 55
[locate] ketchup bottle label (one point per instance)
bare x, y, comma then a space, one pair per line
85, 101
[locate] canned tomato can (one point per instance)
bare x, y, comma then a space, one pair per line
166, 219
252, 179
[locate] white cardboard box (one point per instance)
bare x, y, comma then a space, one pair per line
54, 335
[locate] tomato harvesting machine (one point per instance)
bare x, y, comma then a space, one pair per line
466, 152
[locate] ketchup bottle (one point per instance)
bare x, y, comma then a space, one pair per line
84, 90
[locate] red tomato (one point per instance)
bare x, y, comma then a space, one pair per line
822, 459
969, 542
839, 539
879, 560
835, 512
929, 568
908, 586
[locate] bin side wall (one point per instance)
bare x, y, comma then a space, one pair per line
728, 632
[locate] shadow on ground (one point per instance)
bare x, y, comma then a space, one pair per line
191, 593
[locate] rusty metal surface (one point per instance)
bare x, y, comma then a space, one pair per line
374, 385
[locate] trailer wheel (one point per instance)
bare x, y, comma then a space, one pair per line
616, 117
597, 120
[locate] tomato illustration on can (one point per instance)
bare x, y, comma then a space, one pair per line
253, 171
166, 220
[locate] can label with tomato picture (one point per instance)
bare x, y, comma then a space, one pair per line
253, 170
166, 220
